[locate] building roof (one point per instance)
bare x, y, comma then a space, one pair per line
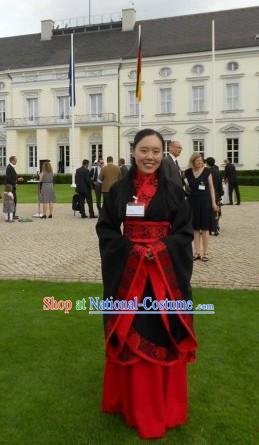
234, 28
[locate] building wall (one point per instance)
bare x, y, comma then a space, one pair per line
180, 122
185, 125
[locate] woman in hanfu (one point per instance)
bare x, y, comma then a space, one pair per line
148, 254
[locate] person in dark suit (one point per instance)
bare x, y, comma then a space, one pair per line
219, 192
170, 163
83, 187
11, 178
123, 168
96, 184
231, 178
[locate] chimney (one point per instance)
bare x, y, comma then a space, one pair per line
128, 19
47, 27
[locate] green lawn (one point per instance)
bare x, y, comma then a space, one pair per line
51, 371
249, 193
27, 193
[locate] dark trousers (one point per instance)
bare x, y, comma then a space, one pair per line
88, 197
15, 200
105, 194
214, 222
98, 194
231, 187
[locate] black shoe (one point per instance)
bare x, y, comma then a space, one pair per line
43, 217
93, 216
50, 216
84, 216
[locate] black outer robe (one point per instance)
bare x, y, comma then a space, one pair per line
168, 204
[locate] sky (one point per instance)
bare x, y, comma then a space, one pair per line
24, 16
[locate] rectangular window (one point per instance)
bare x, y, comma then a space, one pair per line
63, 107
32, 156
166, 150
67, 156
232, 96
233, 150
63, 158
133, 104
96, 152
198, 146
2, 156
96, 105
198, 99
165, 100
32, 108
2, 111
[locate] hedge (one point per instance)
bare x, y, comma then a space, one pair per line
58, 179
248, 180
245, 177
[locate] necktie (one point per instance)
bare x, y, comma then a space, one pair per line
177, 165
179, 171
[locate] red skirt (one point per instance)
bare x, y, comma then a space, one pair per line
151, 397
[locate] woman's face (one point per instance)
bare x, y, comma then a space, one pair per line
148, 154
198, 163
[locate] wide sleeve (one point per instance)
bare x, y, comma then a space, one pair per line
179, 243
114, 247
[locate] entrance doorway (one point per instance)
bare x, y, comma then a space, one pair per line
96, 152
63, 159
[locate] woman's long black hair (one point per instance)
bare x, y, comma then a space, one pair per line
148, 132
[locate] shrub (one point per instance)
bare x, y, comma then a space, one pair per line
58, 179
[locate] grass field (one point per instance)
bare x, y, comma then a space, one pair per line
51, 371
28, 193
249, 193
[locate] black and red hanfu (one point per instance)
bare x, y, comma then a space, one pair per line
146, 354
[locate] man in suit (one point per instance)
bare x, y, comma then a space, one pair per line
170, 163
96, 183
123, 168
219, 192
231, 178
108, 175
11, 178
83, 187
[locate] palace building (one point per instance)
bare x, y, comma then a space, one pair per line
211, 107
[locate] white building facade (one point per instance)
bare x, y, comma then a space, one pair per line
177, 92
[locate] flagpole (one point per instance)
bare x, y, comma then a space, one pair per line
72, 142
213, 89
140, 102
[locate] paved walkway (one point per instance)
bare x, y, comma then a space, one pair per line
66, 249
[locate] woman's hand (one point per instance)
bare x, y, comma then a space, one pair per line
215, 207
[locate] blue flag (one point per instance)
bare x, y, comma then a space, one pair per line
72, 82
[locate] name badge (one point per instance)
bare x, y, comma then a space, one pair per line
202, 187
136, 210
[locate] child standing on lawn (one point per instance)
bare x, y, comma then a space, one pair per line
8, 203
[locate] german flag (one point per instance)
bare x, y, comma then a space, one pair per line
139, 61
